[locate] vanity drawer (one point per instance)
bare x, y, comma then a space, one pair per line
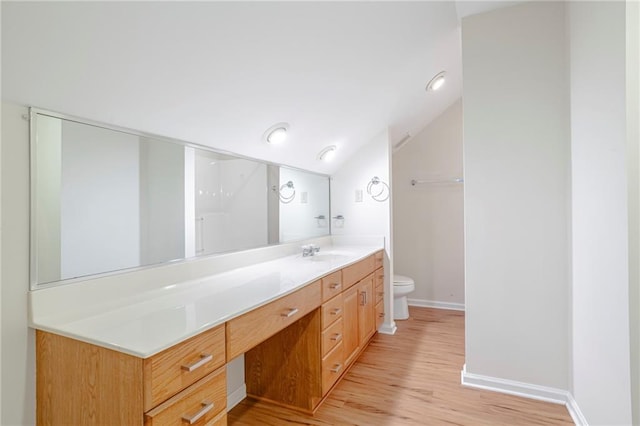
331, 285
331, 337
246, 331
378, 259
197, 405
332, 367
331, 311
354, 273
379, 314
173, 369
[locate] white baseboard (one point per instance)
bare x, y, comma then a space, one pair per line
526, 390
423, 303
235, 397
388, 328
575, 413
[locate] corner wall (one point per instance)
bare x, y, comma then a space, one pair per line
633, 175
428, 218
601, 364
366, 217
18, 341
516, 168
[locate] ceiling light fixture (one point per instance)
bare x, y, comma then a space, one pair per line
276, 134
436, 82
328, 153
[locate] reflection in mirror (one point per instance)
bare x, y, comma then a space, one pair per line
104, 200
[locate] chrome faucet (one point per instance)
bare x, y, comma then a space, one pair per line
309, 250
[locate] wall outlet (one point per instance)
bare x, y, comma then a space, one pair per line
303, 197
358, 195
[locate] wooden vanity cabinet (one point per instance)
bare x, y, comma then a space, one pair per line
296, 349
78, 383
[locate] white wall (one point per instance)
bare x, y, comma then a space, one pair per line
516, 169
601, 371
18, 342
100, 199
231, 198
428, 219
48, 181
297, 219
368, 217
633, 173
162, 201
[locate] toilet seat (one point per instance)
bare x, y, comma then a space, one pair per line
401, 280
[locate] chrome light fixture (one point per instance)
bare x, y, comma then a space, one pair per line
328, 153
436, 82
276, 134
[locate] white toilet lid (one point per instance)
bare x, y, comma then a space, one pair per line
399, 280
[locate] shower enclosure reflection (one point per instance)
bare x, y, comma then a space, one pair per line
107, 199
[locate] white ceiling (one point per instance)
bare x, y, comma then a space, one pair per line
220, 74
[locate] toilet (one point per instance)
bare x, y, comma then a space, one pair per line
402, 286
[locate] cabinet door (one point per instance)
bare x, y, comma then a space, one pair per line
350, 336
366, 310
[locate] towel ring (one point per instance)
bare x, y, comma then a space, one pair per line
379, 195
286, 199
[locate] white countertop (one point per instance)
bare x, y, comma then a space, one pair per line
155, 319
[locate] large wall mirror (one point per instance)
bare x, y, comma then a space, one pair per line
105, 199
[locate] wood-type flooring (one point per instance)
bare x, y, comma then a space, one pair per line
410, 378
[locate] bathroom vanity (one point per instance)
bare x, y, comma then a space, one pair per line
158, 356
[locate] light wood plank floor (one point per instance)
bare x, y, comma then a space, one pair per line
422, 387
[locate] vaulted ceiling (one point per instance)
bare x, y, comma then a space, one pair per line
221, 73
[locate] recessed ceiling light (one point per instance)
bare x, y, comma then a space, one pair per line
436, 82
276, 134
328, 153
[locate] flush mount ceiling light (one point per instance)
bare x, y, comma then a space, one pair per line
276, 134
328, 153
436, 82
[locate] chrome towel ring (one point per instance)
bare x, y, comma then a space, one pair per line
378, 195
284, 197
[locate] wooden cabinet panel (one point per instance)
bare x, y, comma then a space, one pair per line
366, 300
286, 368
378, 259
197, 405
354, 273
379, 293
379, 314
332, 368
379, 277
350, 325
332, 336
172, 370
248, 330
80, 384
331, 285
331, 311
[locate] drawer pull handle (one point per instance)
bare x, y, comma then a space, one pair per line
337, 337
363, 298
289, 314
204, 358
335, 286
206, 407
336, 368
336, 311
381, 315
